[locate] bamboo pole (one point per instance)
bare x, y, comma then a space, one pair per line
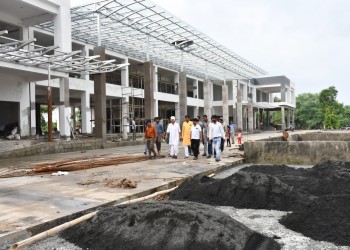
146, 197
51, 231
68, 224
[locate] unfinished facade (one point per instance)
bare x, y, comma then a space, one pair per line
173, 69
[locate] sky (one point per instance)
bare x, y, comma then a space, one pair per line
306, 40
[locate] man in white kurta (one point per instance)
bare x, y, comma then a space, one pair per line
173, 132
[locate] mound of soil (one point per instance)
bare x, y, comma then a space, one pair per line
165, 225
241, 190
326, 218
325, 178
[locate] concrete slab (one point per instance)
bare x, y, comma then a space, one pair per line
32, 200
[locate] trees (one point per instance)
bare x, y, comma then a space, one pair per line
308, 114
316, 111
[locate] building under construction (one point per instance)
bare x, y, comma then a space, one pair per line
170, 68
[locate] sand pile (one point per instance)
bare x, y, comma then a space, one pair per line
165, 225
241, 190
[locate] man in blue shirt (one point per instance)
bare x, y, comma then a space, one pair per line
160, 133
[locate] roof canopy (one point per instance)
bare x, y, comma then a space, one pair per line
140, 29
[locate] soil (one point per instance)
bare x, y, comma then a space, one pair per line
165, 225
327, 218
319, 196
242, 190
325, 178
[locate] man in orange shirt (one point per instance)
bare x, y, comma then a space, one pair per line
150, 136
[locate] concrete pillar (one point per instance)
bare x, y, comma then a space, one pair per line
250, 115
254, 91
24, 106
225, 110
283, 120
239, 108
32, 109
85, 112
62, 27
207, 100
283, 92
149, 91
293, 119
64, 108
234, 97
288, 117
125, 101
26, 33
100, 99
182, 96
85, 53
155, 89
271, 117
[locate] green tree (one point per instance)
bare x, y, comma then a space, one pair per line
328, 98
331, 120
308, 113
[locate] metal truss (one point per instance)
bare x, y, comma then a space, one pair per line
141, 29
19, 52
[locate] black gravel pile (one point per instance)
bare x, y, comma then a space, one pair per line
165, 225
241, 190
326, 218
325, 178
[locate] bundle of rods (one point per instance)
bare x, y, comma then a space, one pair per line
73, 165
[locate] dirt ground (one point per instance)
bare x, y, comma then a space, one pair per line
319, 196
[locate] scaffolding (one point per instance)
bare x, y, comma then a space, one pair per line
130, 106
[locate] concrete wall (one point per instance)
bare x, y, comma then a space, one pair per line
323, 136
303, 152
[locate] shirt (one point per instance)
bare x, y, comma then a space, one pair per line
196, 132
173, 130
160, 129
216, 130
232, 128
150, 132
205, 128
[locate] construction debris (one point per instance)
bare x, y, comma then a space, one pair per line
123, 183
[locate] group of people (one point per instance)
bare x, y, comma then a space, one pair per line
193, 132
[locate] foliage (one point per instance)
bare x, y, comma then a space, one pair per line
330, 119
308, 114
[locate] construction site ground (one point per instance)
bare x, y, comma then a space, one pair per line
33, 200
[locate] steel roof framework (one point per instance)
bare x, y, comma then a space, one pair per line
43, 57
141, 29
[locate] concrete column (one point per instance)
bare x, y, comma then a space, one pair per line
125, 101
283, 92
195, 111
85, 112
24, 106
64, 108
182, 96
254, 120
293, 119
254, 92
283, 120
62, 27
100, 99
26, 33
149, 91
239, 108
288, 117
225, 110
271, 116
155, 89
85, 53
234, 98
195, 89
250, 115
207, 100
32, 109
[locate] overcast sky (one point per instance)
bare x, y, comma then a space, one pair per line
306, 40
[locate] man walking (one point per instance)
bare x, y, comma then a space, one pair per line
150, 136
196, 137
133, 127
232, 132
186, 134
173, 132
216, 133
205, 124
160, 133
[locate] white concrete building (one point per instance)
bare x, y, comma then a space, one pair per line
173, 68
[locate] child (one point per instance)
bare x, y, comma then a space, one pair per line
240, 136
227, 135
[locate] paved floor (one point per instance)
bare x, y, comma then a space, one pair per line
31, 200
